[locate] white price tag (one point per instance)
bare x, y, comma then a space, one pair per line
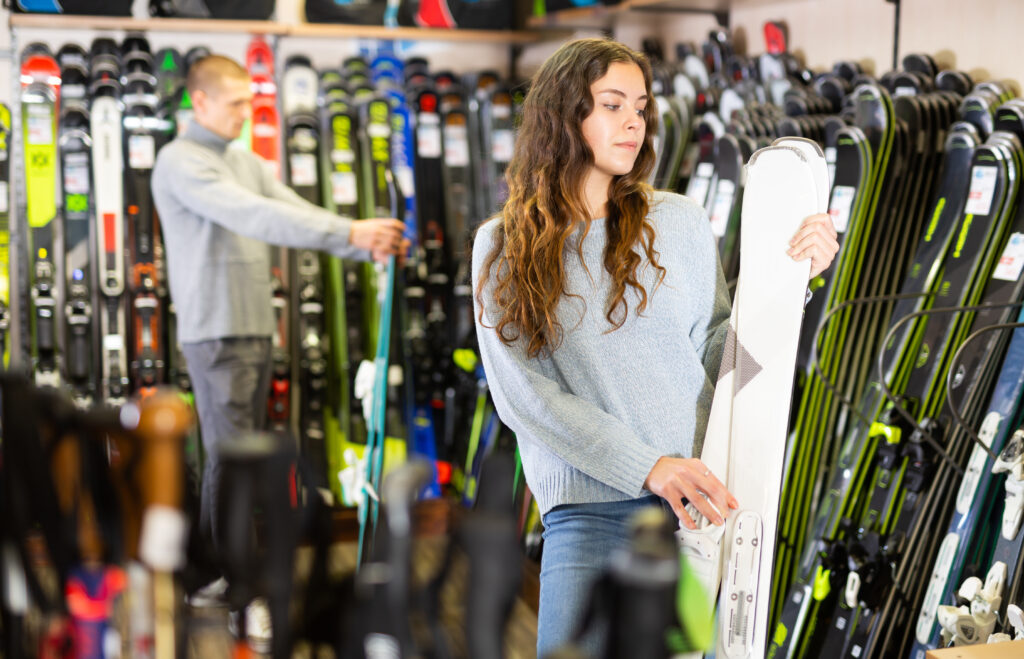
1012, 261
503, 145
841, 206
5, 204
698, 189
76, 174
343, 187
428, 137
302, 168
40, 128
456, 146
983, 186
141, 151
721, 209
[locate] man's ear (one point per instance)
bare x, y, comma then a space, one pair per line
199, 98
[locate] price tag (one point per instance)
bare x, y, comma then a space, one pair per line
428, 136
698, 189
1012, 261
302, 169
141, 151
456, 146
40, 128
5, 205
343, 187
721, 209
76, 174
841, 206
503, 145
983, 186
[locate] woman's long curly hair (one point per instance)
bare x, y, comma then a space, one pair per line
546, 203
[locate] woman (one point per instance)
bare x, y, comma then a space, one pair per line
601, 315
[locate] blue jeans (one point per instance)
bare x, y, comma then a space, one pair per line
579, 540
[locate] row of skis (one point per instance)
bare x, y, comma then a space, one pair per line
899, 525
376, 137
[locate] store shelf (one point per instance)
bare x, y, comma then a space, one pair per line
330, 30
324, 30
602, 16
63, 22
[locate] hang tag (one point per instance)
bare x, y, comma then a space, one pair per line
503, 145
1012, 261
302, 169
983, 186
428, 136
343, 188
721, 209
40, 128
76, 174
141, 151
841, 206
456, 146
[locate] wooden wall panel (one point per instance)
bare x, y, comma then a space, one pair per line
979, 37
822, 32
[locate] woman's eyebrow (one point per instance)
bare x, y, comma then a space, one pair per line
619, 93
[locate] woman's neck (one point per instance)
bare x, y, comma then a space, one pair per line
595, 192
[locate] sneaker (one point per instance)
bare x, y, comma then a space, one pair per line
258, 631
212, 595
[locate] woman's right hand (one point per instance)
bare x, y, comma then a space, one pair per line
672, 479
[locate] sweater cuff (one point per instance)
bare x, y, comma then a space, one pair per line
638, 467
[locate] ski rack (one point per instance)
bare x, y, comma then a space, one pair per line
921, 432
957, 417
877, 299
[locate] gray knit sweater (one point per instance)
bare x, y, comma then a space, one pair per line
219, 206
594, 416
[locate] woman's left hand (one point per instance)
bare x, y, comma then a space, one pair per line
816, 240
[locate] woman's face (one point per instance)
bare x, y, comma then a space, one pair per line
614, 130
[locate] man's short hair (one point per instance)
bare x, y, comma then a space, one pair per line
207, 72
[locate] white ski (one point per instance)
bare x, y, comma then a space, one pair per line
745, 441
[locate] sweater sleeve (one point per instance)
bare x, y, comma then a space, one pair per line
202, 188
538, 409
278, 190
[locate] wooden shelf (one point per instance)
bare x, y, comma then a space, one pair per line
334, 30
64, 22
317, 30
602, 16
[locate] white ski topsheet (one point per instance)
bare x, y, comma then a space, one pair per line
745, 441
105, 118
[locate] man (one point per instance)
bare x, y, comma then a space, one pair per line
219, 207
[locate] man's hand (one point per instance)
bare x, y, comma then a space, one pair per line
675, 478
382, 237
816, 240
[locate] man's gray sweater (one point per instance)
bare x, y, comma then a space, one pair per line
219, 206
594, 416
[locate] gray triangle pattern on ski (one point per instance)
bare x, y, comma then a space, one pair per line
737, 358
